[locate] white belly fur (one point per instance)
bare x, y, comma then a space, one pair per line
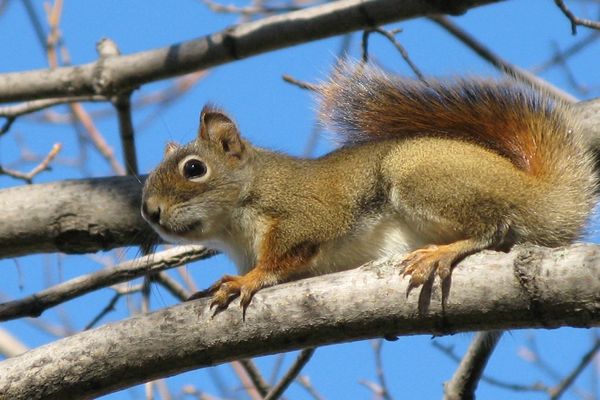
379, 237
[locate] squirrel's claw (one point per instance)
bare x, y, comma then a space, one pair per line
228, 288
421, 265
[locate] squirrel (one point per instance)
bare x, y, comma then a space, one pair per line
437, 169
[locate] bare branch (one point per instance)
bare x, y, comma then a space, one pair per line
250, 10
115, 75
318, 311
574, 19
300, 84
10, 346
42, 166
536, 387
37, 303
568, 380
122, 104
304, 381
509, 69
390, 36
377, 345
254, 374
247, 383
469, 372
277, 390
29, 107
171, 285
561, 56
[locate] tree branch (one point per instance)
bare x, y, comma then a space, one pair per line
37, 303
563, 289
78, 216
469, 372
114, 75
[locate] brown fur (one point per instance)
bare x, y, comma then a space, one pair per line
440, 169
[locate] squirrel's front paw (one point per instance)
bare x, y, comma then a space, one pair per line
229, 287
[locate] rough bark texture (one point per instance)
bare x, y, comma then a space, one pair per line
78, 216
529, 287
113, 75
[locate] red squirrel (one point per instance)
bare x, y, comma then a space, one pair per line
438, 169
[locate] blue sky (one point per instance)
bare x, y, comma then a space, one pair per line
277, 115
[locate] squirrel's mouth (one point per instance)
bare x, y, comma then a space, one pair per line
177, 233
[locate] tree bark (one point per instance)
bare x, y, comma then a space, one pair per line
530, 287
76, 216
117, 74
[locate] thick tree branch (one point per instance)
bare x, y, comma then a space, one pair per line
113, 75
78, 216
487, 291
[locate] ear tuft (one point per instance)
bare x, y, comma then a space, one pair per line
218, 128
170, 148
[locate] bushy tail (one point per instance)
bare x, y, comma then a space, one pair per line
539, 134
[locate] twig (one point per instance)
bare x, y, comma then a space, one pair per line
250, 10
35, 21
122, 104
574, 19
97, 139
562, 56
29, 107
300, 84
10, 346
558, 391
259, 383
304, 381
390, 36
171, 285
536, 387
463, 383
53, 40
159, 98
37, 303
377, 345
108, 308
42, 166
247, 384
277, 390
277, 367
510, 70
317, 128
119, 292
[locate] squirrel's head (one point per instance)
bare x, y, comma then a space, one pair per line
189, 196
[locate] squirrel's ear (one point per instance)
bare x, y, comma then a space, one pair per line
220, 129
170, 148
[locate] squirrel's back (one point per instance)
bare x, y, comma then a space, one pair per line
540, 135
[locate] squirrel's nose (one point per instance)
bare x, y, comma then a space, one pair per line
151, 211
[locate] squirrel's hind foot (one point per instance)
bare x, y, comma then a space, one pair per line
423, 264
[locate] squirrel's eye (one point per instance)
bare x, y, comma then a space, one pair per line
194, 169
